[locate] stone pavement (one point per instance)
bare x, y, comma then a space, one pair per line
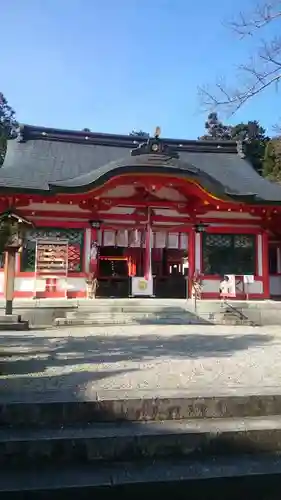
95, 362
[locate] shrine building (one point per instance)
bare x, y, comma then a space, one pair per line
141, 216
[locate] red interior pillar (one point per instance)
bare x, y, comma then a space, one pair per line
265, 265
191, 258
131, 254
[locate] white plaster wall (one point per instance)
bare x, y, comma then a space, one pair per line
167, 212
260, 250
38, 220
278, 259
212, 286
28, 284
56, 207
23, 284
275, 285
71, 284
118, 210
256, 287
230, 215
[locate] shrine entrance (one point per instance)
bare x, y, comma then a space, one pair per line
118, 265
170, 269
113, 272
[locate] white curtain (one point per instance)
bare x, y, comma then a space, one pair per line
122, 238
173, 240
109, 238
160, 239
183, 241
135, 238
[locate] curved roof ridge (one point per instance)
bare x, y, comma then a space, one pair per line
32, 132
44, 157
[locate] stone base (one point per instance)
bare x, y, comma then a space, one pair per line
13, 322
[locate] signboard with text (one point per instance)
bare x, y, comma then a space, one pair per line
141, 286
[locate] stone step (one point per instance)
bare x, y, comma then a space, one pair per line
136, 312
12, 322
123, 407
138, 440
84, 312
127, 320
134, 479
16, 327
186, 318
10, 318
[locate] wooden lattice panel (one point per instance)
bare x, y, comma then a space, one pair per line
51, 258
243, 241
218, 240
74, 258
74, 237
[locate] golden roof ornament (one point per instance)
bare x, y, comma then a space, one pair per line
155, 146
157, 132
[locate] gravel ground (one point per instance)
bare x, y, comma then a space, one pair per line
83, 363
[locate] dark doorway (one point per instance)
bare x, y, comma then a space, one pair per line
113, 275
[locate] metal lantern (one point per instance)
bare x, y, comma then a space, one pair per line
200, 228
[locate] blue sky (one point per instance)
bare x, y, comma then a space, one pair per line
118, 65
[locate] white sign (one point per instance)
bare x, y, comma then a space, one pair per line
141, 286
248, 278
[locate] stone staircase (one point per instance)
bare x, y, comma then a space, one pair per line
48, 449
150, 311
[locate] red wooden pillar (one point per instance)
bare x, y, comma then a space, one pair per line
10, 261
265, 265
191, 259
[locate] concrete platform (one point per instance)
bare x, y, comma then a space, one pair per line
48, 312
82, 364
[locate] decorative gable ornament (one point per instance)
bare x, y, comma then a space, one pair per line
155, 146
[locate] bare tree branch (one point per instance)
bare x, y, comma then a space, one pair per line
277, 129
260, 72
263, 14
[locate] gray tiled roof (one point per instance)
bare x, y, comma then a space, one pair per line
44, 159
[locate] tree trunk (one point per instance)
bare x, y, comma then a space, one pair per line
10, 261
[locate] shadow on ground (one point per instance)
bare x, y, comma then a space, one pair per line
45, 364
26, 354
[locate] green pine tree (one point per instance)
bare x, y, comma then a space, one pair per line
8, 125
272, 160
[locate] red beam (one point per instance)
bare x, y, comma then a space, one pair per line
188, 189
138, 203
190, 218
148, 180
52, 216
